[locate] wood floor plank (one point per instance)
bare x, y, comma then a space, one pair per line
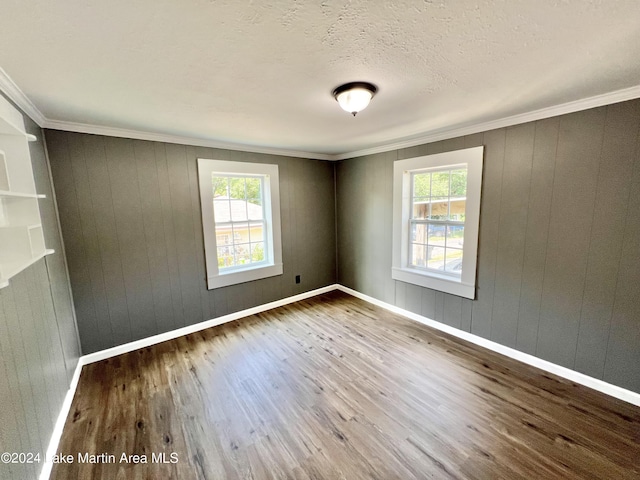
335, 388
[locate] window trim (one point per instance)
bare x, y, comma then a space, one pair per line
465, 285
273, 238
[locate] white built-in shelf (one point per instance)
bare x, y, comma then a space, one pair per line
7, 193
21, 235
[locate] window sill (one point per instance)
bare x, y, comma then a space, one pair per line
242, 276
434, 281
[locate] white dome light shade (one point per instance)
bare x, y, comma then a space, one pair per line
354, 97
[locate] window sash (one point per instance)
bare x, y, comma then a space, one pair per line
239, 242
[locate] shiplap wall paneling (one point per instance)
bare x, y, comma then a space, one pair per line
169, 240
39, 346
482, 311
535, 248
559, 244
615, 175
513, 212
135, 235
623, 352
19, 396
364, 195
53, 275
572, 204
154, 234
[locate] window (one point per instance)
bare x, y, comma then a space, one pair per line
436, 211
241, 221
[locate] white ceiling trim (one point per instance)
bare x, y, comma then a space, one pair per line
617, 96
17, 96
13, 92
179, 139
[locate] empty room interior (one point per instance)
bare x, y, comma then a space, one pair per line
320, 240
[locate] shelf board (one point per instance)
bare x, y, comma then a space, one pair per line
6, 193
11, 269
22, 225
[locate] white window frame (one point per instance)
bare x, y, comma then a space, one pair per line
465, 284
272, 265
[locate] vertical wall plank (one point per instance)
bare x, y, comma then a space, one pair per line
178, 171
514, 205
111, 260
97, 302
71, 224
169, 237
535, 250
452, 310
413, 298
577, 162
151, 213
605, 246
622, 365
429, 303
489, 230
13, 416
125, 190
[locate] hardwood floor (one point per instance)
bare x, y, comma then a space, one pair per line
336, 388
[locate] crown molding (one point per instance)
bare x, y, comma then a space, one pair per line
617, 96
179, 139
13, 92
17, 96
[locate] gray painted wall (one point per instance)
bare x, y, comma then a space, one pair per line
559, 248
39, 346
130, 215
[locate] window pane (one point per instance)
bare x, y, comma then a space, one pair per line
223, 237
455, 236
453, 262
241, 233
440, 184
436, 234
457, 210
418, 257
254, 190
419, 233
237, 188
459, 183
225, 257
255, 210
219, 185
221, 210
421, 184
420, 210
257, 252
238, 210
435, 257
439, 208
242, 254
256, 231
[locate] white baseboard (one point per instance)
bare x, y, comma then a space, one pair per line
54, 441
579, 378
572, 375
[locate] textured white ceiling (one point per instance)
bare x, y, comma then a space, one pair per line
260, 73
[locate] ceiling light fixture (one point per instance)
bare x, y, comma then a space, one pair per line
355, 96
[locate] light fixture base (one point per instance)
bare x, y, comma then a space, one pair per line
354, 96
